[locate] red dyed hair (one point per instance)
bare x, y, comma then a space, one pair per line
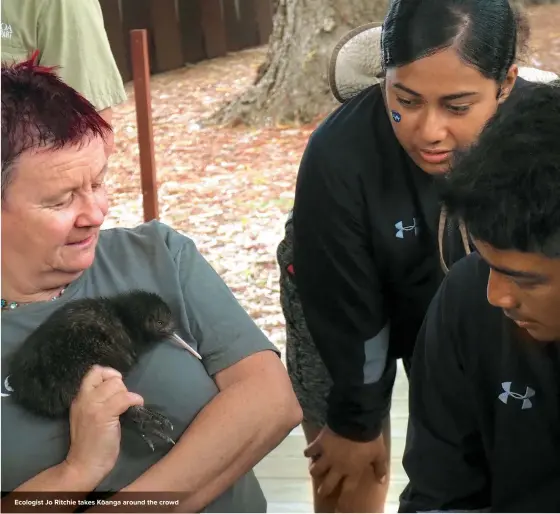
40, 110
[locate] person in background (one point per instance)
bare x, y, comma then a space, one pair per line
484, 424
70, 35
229, 409
368, 244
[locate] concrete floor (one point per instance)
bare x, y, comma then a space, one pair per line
283, 473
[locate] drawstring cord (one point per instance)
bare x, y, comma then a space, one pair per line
441, 230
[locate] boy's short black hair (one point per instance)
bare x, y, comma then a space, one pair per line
506, 187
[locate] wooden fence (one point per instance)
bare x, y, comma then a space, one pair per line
185, 31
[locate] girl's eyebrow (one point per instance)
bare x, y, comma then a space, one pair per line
453, 96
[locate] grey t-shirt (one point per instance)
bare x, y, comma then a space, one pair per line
156, 258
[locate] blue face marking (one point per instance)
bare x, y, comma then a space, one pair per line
396, 116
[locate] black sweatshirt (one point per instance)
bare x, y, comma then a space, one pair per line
366, 257
484, 426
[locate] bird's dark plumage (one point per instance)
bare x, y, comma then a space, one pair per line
47, 369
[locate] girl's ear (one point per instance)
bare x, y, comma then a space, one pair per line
508, 83
383, 92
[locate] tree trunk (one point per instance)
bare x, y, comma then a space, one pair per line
291, 85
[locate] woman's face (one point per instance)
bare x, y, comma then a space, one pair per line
439, 103
54, 207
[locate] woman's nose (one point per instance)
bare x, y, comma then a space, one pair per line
433, 128
92, 212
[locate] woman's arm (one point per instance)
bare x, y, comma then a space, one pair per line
94, 442
254, 411
255, 406
341, 294
62, 477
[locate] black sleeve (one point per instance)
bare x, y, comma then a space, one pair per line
340, 290
444, 456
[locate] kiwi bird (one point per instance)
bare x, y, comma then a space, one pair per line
46, 371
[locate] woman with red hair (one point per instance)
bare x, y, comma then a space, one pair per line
229, 409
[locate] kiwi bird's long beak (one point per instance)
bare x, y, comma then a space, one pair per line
185, 345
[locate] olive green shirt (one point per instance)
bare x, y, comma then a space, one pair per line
69, 34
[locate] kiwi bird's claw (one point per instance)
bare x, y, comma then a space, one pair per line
163, 436
148, 441
150, 424
159, 419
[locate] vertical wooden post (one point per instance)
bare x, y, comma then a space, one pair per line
141, 76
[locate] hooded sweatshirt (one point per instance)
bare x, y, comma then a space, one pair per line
366, 223
484, 416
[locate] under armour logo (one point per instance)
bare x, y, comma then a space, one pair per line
508, 393
402, 229
7, 387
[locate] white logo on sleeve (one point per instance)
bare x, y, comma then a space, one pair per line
6, 387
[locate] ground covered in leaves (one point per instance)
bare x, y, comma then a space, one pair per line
230, 188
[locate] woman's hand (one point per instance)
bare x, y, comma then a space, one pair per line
336, 460
95, 430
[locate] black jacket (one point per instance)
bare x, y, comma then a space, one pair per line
484, 425
366, 259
